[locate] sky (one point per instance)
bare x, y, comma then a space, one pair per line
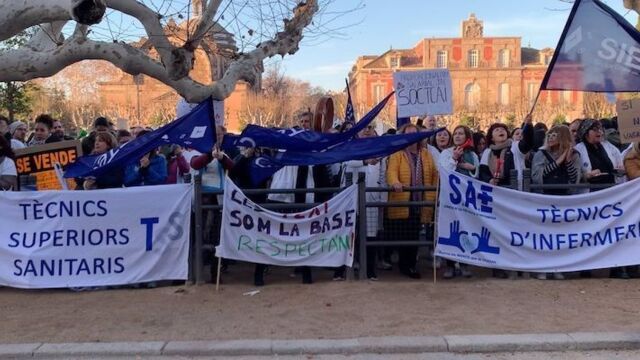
399, 24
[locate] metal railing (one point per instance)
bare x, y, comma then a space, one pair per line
197, 268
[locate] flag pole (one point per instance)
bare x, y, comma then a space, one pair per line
218, 274
535, 102
435, 233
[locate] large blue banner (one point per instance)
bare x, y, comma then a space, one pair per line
357, 149
598, 51
298, 139
194, 130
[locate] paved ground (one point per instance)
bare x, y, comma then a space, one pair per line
286, 309
594, 355
591, 355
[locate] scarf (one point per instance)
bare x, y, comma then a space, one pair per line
415, 166
600, 160
496, 163
467, 158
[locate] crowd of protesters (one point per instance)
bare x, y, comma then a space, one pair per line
583, 151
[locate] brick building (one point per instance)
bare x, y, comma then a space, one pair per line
492, 77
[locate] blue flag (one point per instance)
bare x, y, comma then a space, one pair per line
349, 114
298, 139
357, 149
195, 130
598, 51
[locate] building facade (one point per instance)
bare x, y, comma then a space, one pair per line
492, 77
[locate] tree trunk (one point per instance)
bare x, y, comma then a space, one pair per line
10, 99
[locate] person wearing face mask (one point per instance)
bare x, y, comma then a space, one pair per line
504, 154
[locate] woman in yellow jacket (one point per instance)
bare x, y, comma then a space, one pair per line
632, 161
410, 167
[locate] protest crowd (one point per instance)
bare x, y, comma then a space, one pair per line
583, 151
530, 200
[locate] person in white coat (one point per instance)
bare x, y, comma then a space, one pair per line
460, 158
371, 170
602, 163
503, 154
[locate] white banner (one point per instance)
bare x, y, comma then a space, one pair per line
94, 238
501, 228
321, 236
425, 92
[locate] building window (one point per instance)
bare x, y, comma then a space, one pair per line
442, 59
504, 58
474, 58
532, 91
378, 93
547, 59
471, 95
395, 62
503, 94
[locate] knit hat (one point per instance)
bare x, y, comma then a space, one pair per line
585, 126
15, 125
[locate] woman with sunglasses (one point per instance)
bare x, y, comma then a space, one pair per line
602, 163
556, 162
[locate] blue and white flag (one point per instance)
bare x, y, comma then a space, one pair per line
349, 113
194, 130
357, 149
298, 139
598, 51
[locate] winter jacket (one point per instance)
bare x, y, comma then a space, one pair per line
399, 171
154, 174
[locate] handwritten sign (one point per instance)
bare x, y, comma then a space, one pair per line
426, 92
629, 120
321, 236
40, 161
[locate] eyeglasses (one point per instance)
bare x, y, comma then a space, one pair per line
552, 136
